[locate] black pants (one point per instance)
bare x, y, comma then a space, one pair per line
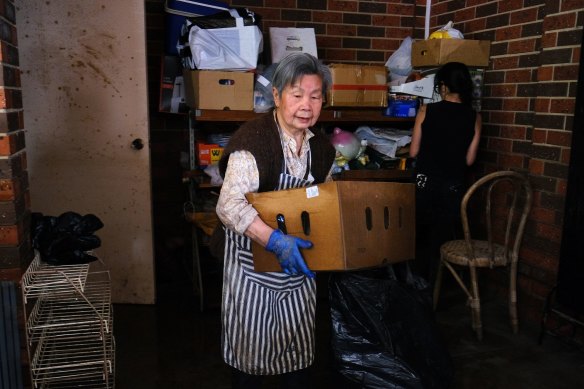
293, 380
437, 221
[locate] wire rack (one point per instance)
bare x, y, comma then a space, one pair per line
69, 326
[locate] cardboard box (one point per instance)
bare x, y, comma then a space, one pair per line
208, 154
215, 89
358, 86
422, 88
352, 224
284, 41
436, 52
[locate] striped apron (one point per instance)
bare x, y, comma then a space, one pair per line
268, 318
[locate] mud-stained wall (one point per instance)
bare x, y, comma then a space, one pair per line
85, 98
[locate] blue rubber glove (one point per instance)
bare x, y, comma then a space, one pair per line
287, 249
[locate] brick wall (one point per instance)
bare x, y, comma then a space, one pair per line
15, 247
530, 90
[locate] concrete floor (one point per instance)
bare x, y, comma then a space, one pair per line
175, 345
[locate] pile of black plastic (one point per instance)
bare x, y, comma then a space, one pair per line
65, 239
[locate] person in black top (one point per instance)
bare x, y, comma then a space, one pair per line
445, 140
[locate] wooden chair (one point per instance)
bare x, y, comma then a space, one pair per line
505, 198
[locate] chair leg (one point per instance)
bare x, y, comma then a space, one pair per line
513, 299
438, 283
475, 304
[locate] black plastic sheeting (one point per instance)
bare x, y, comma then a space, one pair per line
384, 334
65, 239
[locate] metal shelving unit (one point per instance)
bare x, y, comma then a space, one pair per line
69, 326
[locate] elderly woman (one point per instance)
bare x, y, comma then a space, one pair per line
269, 318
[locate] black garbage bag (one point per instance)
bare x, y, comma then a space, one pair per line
65, 240
383, 330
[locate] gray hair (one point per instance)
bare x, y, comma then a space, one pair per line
295, 65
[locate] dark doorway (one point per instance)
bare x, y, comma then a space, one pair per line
570, 286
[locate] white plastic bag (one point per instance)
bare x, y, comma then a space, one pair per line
232, 48
400, 62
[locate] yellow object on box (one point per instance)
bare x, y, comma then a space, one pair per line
216, 89
439, 35
436, 52
352, 224
358, 86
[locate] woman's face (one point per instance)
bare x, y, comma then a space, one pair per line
299, 105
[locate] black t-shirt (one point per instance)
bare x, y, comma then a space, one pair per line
447, 132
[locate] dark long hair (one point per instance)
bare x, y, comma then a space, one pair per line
456, 77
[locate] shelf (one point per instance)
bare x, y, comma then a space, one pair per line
327, 115
68, 325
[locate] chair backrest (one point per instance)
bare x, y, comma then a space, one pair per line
506, 197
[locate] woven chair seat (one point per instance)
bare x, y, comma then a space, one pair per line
455, 251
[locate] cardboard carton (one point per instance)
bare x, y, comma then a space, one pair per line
436, 52
208, 154
286, 40
358, 86
215, 89
352, 224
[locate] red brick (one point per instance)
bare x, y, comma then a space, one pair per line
519, 104
386, 20
340, 55
502, 117
400, 9
549, 39
511, 161
505, 63
464, 14
503, 90
562, 187
9, 236
347, 6
566, 72
566, 106
542, 215
550, 232
513, 132
507, 33
476, 25
545, 73
565, 157
328, 42
536, 167
524, 15
559, 22
501, 145
384, 44
518, 75
522, 46
568, 5
542, 104
559, 138
576, 54
327, 17
8, 189
279, 4
341, 29
510, 5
